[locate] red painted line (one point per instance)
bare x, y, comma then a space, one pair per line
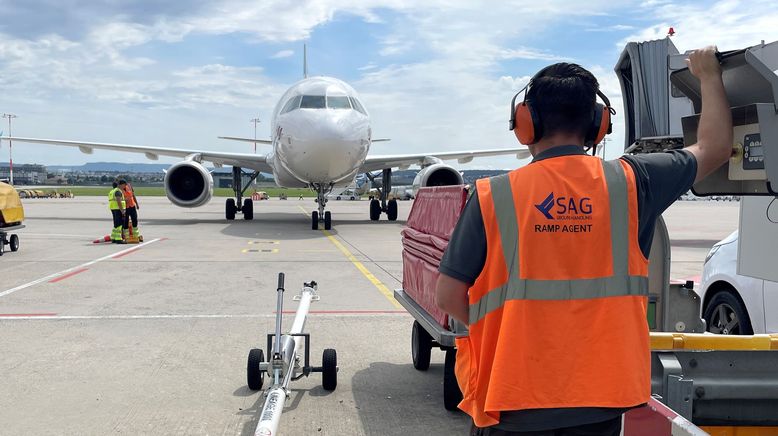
68, 275
24, 315
345, 312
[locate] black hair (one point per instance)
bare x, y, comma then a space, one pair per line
115, 185
563, 97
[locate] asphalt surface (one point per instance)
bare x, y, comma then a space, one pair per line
153, 338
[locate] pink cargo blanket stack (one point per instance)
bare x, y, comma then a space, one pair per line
430, 224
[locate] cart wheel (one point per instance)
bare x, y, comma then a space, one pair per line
2, 243
451, 393
254, 376
14, 242
329, 375
421, 346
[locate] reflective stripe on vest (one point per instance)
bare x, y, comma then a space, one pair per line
112, 203
619, 284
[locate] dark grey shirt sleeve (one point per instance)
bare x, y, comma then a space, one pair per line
661, 179
466, 252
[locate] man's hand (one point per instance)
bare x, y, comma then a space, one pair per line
704, 64
714, 132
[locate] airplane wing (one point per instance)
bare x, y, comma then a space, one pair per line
257, 162
253, 141
379, 162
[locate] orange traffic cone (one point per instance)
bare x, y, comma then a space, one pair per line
106, 238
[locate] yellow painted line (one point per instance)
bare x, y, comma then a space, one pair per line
366, 272
255, 250
265, 242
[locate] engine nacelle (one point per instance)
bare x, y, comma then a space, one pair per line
188, 184
438, 174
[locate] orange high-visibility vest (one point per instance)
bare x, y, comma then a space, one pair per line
128, 196
558, 314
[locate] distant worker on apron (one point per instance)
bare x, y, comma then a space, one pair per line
117, 205
132, 209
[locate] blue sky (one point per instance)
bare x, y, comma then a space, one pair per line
436, 75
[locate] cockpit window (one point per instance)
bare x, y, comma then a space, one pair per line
292, 104
313, 102
357, 105
338, 102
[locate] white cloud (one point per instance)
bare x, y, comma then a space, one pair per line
282, 54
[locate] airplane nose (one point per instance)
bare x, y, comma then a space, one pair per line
323, 147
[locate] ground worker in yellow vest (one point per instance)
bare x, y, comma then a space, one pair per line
548, 264
118, 206
131, 212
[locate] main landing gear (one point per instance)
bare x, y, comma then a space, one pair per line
383, 205
321, 216
233, 205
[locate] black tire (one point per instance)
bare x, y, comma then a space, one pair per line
452, 395
230, 209
337, 198
14, 243
375, 210
421, 347
725, 314
314, 220
391, 210
255, 378
248, 209
327, 220
352, 198
329, 375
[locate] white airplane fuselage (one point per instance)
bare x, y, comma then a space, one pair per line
321, 134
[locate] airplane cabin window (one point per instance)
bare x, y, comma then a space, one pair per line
357, 105
338, 102
292, 104
313, 102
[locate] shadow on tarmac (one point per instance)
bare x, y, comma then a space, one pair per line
399, 400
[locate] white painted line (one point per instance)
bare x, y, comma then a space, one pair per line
83, 265
67, 235
149, 317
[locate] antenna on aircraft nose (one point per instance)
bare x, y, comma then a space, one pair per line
305, 61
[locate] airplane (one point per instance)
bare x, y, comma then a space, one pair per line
321, 136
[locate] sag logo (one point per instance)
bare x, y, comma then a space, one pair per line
565, 208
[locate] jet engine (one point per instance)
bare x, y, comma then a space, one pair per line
188, 184
438, 174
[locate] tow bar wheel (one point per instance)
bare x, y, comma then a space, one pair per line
14, 243
255, 378
329, 374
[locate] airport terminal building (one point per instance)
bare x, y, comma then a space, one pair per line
27, 174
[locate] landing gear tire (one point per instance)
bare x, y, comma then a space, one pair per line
314, 220
391, 210
327, 220
329, 374
375, 210
14, 243
726, 315
248, 209
337, 198
255, 378
230, 209
452, 395
421, 347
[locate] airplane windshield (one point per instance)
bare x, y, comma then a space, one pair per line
313, 102
292, 104
338, 102
357, 105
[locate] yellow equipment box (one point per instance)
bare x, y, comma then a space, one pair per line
11, 211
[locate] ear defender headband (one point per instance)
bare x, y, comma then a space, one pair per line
527, 126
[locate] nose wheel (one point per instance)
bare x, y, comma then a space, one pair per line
321, 216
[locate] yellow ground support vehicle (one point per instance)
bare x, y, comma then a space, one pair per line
11, 217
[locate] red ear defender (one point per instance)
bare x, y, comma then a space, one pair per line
605, 124
601, 122
525, 124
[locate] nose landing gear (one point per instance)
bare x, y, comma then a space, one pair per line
321, 216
